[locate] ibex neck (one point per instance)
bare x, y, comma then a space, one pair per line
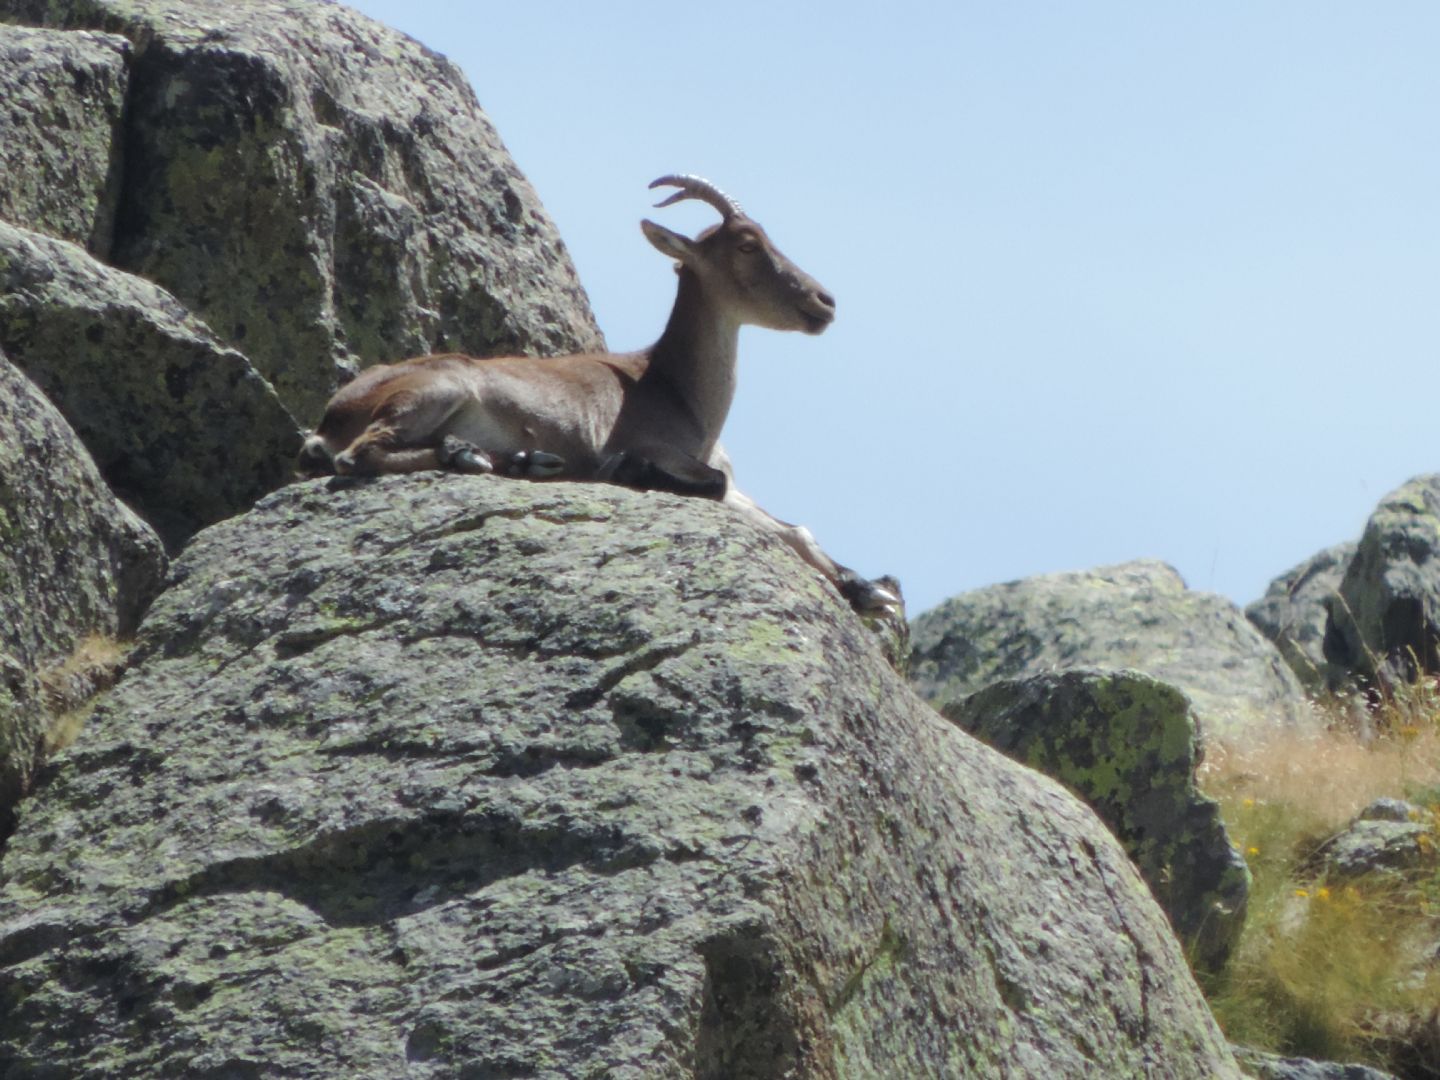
696, 358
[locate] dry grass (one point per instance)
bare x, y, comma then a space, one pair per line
1324, 779
1330, 970
69, 688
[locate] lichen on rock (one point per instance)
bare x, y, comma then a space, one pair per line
440, 775
180, 426
74, 563
323, 191
61, 132
1138, 616
1129, 746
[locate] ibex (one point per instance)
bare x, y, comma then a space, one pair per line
648, 419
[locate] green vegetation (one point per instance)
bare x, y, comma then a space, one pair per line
1330, 969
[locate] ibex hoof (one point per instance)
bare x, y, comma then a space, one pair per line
461, 456
868, 597
536, 464
680, 475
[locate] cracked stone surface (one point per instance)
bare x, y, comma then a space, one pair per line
74, 561
444, 776
60, 132
320, 189
181, 426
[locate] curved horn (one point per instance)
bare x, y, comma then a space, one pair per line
695, 187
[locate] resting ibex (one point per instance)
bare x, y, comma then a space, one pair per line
648, 419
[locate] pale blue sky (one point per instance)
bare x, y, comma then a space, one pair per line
1114, 279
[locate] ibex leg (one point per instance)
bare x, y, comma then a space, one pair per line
863, 595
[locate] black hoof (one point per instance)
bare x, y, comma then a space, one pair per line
869, 597
535, 464
693, 478
461, 456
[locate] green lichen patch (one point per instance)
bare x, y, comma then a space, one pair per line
1129, 746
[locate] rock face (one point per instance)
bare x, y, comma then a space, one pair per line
455, 776
1135, 616
1294, 613
60, 132
323, 191
180, 425
1127, 745
1385, 623
73, 562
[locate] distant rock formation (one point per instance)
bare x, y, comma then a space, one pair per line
1294, 613
1365, 615
1265, 1066
1388, 836
1385, 619
1138, 616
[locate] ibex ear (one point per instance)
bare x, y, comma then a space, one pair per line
679, 248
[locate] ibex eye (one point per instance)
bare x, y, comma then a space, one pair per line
748, 246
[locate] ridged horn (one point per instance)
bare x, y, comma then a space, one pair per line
695, 187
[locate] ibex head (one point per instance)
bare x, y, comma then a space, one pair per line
739, 266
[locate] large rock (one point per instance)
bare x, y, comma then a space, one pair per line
60, 127
74, 562
446, 776
1265, 1066
1385, 622
1128, 746
323, 191
1294, 613
1139, 616
181, 426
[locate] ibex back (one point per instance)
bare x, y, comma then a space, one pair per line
648, 419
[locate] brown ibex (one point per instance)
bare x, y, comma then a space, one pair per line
647, 419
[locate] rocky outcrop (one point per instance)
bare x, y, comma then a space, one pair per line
445, 775
1127, 745
311, 191
1389, 835
1135, 616
1294, 613
181, 426
74, 562
60, 132
1385, 622
322, 191
1265, 1066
